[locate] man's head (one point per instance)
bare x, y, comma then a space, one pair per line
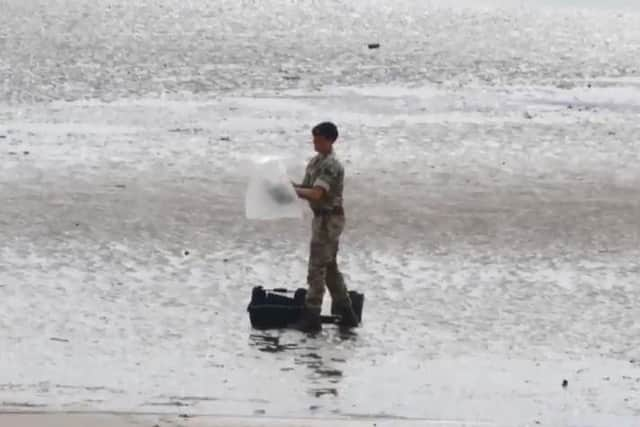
324, 135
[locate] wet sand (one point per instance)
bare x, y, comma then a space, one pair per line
484, 284
134, 420
492, 198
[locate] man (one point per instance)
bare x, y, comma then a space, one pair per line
322, 187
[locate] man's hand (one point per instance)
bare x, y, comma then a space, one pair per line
313, 194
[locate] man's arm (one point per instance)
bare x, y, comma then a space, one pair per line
307, 192
313, 194
318, 189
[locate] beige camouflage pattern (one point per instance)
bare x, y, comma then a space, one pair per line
327, 172
323, 266
326, 229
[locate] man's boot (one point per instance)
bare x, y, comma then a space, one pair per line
309, 320
348, 317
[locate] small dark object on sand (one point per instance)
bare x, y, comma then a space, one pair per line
374, 45
280, 194
565, 383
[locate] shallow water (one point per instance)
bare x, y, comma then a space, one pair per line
110, 49
492, 203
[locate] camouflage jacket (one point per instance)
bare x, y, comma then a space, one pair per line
327, 172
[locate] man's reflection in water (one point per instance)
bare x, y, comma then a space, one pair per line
316, 352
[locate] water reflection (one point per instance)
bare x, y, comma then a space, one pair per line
270, 344
320, 353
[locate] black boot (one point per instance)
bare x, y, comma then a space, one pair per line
348, 317
309, 320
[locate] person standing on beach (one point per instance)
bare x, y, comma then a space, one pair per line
322, 187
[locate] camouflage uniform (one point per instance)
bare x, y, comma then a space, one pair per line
327, 225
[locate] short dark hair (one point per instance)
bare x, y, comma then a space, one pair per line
327, 130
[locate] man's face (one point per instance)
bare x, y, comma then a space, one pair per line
321, 144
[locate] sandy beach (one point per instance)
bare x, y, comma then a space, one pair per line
492, 194
134, 420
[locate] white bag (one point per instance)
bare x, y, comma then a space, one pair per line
270, 194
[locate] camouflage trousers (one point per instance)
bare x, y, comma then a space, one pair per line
323, 266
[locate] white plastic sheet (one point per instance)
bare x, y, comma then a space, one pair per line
270, 194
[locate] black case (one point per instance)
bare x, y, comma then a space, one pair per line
279, 308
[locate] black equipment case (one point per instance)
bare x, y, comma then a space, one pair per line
279, 308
